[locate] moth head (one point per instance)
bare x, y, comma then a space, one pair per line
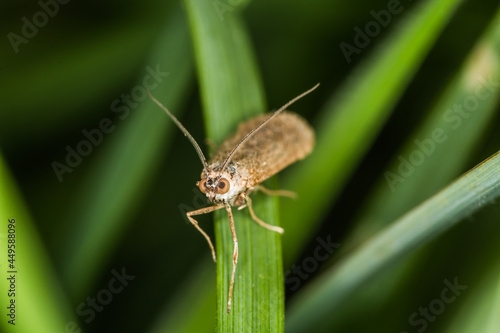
221, 186
217, 186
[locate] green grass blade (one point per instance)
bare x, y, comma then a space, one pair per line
352, 119
442, 161
428, 161
480, 312
231, 92
115, 186
40, 305
222, 49
462, 198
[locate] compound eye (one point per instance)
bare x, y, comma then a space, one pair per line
223, 186
202, 185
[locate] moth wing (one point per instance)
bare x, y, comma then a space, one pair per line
282, 141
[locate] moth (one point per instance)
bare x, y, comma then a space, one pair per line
260, 148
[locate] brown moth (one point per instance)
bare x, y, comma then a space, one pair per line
260, 148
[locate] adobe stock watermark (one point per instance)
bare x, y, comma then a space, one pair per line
94, 137
221, 7
420, 319
92, 305
30, 27
453, 116
301, 272
372, 29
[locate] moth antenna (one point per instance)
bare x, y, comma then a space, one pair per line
184, 130
264, 122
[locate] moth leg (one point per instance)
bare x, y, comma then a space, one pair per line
283, 193
235, 255
195, 223
259, 221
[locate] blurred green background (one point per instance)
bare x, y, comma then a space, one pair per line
119, 206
